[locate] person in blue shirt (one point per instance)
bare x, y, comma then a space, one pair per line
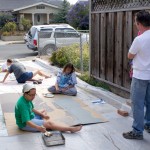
66, 81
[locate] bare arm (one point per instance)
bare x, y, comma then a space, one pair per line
6, 75
43, 115
38, 112
131, 56
39, 128
56, 86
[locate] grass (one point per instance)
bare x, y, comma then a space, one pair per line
92, 81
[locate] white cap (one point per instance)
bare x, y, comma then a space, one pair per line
15, 60
27, 87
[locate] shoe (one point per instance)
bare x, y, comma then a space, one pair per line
132, 135
147, 128
37, 82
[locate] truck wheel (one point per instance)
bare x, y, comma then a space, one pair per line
48, 49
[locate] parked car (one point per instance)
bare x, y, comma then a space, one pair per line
25, 37
49, 37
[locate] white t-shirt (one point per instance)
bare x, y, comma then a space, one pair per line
4, 67
141, 61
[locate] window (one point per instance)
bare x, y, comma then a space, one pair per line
32, 32
45, 33
65, 33
70, 33
40, 7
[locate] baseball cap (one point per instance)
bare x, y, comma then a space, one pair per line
27, 87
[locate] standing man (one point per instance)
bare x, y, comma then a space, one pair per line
140, 86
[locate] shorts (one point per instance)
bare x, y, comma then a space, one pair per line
36, 120
25, 77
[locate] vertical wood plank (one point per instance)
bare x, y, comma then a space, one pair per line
95, 45
92, 44
128, 21
119, 49
103, 46
97, 39
110, 47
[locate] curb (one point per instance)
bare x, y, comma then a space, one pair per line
11, 42
111, 98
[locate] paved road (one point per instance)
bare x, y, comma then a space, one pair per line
15, 51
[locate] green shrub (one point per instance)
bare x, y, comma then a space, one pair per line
61, 58
6, 33
53, 58
9, 27
25, 23
71, 54
92, 81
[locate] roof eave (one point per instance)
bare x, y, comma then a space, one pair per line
40, 3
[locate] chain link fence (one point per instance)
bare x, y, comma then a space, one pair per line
52, 40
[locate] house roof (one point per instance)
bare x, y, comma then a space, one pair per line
10, 5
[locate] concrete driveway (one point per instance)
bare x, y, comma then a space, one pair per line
103, 136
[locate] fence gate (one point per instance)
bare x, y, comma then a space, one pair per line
112, 32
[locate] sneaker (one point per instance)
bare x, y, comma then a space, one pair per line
132, 135
147, 128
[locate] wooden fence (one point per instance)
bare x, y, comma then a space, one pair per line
112, 32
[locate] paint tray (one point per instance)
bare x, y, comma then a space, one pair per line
56, 139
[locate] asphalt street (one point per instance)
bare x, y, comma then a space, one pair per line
15, 51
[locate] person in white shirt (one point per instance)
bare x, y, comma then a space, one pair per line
140, 86
6, 65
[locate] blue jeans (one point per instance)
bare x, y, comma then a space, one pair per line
140, 96
71, 92
25, 77
36, 120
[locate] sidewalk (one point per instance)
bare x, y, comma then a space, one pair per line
104, 136
10, 42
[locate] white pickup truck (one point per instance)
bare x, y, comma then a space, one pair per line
48, 38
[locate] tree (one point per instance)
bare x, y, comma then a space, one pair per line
78, 16
61, 16
6, 17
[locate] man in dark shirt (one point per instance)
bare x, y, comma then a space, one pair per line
21, 74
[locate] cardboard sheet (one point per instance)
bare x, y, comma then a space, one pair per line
81, 113
64, 110
11, 126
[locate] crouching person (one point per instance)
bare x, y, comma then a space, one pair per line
30, 119
66, 81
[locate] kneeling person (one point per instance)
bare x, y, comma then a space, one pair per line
30, 119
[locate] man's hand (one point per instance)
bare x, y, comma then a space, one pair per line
57, 89
41, 129
6, 75
46, 117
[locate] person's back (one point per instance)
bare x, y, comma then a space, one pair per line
141, 62
23, 111
18, 69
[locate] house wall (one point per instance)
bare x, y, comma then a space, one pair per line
28, 16
34, 10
